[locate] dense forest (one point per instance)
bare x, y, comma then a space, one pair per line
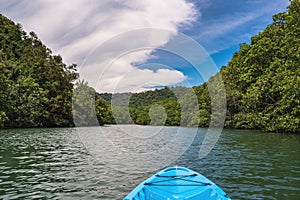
262, 82
36, 86
263, 79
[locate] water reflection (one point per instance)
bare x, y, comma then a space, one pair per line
54, 164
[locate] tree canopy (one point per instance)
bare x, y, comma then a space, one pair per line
36, 86
263, 79
262, 82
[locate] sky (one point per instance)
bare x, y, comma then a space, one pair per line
138, 45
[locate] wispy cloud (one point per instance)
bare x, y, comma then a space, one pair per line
223, 26
223, 30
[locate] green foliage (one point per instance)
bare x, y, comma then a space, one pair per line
84, 109
204, 106
103, 111
262, 83
140, 116
262, 79
166, 112
36, 87
121, 115
138, 100
3, 118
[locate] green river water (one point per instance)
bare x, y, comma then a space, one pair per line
60, 164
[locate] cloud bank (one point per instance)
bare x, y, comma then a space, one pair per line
74, 28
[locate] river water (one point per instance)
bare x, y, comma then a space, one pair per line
108, 162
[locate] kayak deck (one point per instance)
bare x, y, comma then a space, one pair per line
177, 183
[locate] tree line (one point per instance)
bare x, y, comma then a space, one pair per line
262, 82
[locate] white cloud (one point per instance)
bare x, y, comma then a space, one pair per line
123, 77
73, 28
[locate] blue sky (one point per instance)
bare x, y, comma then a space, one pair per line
223, 25
92, 34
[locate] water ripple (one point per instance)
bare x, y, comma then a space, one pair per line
54, 164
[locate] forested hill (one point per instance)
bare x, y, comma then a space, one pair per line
263, 79
138, 100
262, 83
36, 88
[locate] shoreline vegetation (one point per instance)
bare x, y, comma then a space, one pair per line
262, 82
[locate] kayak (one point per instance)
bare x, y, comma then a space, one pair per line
177, 183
